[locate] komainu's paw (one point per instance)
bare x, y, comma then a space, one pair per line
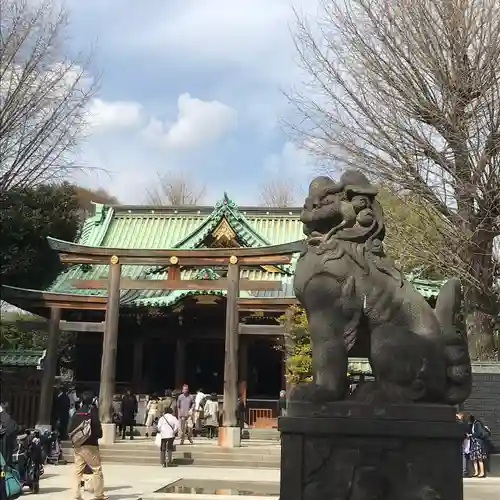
310, 392
374, 392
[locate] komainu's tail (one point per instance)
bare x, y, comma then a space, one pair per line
456, 349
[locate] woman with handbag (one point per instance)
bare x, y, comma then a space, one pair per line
168, 428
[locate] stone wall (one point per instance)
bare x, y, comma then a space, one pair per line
484, 402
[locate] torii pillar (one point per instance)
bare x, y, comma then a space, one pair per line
230, 432
109, 348
49, 372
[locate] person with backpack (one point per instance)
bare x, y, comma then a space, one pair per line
169, 401
84, 431
478, 435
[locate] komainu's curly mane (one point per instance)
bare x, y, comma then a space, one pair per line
345, 216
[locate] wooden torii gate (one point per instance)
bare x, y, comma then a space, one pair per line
50, 305
174, 259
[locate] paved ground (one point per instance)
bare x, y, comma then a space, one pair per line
128, 482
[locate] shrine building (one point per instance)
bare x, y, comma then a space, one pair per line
162, 296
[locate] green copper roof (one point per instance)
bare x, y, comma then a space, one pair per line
21, 358
188, 227
177, 227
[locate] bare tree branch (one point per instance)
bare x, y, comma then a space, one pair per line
174, 188
279, 192
43, 95
409, 92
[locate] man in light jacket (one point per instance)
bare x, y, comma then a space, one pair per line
168, 428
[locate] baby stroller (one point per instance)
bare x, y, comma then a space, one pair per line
28, 460
52, 448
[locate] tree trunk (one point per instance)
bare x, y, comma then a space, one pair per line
480, 304
479, 333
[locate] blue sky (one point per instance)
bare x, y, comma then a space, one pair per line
191, 85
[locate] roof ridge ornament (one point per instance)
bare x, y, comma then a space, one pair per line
226, 202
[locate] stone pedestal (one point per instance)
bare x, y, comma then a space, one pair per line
108, 434
357, 451
229, 437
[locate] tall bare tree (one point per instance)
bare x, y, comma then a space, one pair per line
279, 192
174, 188
43, 94
409, 92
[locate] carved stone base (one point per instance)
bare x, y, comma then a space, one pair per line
108, 434
355, 451
229, 437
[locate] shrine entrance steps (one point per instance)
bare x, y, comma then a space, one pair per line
250, 434
204, 453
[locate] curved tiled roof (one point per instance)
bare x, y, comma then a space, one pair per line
22, 357
188, 227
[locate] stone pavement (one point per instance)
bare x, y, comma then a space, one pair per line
129, 482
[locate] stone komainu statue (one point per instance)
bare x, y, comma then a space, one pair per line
352, 292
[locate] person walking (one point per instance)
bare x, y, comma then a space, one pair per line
62, 408
129, 411
86, 446
199, 402
211, 414
151, 413
241, 410
184, 411
117, 413
282, 404
169, 401
465, 447
168, 428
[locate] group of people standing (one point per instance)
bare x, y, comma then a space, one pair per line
194, 412
475, 447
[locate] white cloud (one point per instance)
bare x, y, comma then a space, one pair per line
198, 123
290, 160
293, 164
244, 52
252, 35
109, 115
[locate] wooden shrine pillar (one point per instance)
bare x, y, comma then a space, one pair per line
180, 363
287, 347
243, 341
49, 371
109, 348
230, 434
138, 365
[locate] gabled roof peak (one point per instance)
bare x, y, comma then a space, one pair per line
226, 202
